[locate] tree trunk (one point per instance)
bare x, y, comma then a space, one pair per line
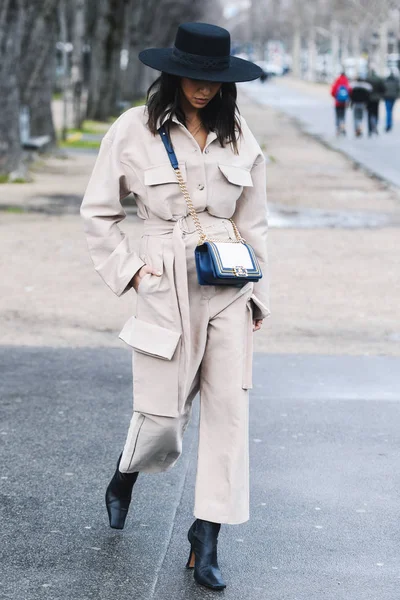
10, 40
134, 84
355, 43
335, 49
345, 45
77, 60
36, 78
383, 48
106, 48
98, 35
296, 51
65, 70
112, 82
312, 54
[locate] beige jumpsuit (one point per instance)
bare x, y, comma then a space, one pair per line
185, 337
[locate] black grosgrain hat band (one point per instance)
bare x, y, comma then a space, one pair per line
197, 61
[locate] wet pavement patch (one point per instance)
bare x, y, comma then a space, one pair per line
58, 204
282, 217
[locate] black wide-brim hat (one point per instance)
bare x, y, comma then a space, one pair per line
202, 52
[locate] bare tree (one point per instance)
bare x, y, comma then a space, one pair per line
10, 40
345, 27
37, 65
105, 29
78, 40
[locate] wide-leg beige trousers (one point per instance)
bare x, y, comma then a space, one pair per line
220, 369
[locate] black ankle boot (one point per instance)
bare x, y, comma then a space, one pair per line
203, 538
118, 496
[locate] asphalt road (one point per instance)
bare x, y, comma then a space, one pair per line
315, 113
325, 458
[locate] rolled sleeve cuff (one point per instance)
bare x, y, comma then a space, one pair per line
260, 309
120, 282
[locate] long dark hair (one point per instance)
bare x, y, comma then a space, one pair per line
220, 115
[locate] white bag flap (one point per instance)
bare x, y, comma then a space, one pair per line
149, 338
234, 255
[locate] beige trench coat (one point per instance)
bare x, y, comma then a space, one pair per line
224, 184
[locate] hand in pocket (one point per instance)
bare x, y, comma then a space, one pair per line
145, 270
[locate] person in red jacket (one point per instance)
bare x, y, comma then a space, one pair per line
341, 92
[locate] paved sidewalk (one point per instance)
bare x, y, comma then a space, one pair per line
314, 110
324, 446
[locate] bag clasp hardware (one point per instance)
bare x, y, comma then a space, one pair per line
240, 271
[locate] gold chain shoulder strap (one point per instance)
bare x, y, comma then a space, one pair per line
192, 211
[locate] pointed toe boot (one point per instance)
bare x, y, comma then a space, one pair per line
203, 538
118, 497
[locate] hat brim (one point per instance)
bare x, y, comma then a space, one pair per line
238, 70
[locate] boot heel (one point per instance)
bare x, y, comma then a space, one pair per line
191, 560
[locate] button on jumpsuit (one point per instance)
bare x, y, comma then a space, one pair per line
186, 338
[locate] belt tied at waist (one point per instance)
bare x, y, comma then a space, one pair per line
157, 226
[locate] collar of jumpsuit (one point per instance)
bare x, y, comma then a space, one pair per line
210, 137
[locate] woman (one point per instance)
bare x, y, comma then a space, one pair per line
340, 91
186, 337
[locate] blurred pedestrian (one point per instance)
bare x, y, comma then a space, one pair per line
359, 96
340, 90
391, 93
193, 164
378, 89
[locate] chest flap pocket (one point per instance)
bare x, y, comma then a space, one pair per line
226, 188
236, 175
160, 174
164, 196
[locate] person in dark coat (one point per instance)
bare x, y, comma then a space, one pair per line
360, 93
391, 93
378, 89
340, 90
